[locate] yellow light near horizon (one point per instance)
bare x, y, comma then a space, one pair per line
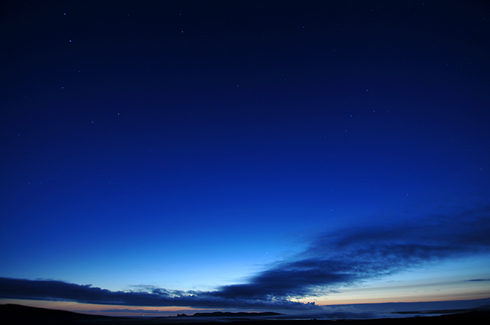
396, 292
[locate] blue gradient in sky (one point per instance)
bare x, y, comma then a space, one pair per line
204, 147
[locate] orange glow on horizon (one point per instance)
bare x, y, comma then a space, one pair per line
95, 309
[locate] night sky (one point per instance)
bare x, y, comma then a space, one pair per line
244, 155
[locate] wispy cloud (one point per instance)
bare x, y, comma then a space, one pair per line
331, 260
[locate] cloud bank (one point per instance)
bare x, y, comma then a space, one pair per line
331, 260
358, 254
59, 290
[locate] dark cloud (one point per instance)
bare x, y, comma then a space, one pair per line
332, 260
58, 290
359, 254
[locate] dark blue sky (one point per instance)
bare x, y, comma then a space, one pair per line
248, 153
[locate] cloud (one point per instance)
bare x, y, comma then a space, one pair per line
59, 290
357, 254
331, 260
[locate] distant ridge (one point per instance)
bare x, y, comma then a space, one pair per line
18, 314
230, 314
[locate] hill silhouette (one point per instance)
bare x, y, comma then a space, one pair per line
18, 314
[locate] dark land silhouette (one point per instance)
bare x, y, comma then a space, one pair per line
18, 314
